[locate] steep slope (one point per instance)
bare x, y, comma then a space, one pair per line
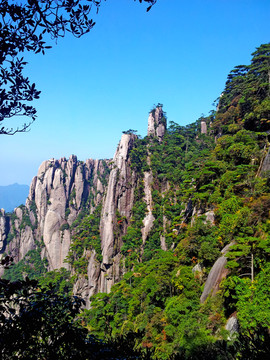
170, 240
205, 190
61, 191
120, 224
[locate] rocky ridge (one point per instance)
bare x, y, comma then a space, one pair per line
65, 191
59, 192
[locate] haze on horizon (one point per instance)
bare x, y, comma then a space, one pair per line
95, 87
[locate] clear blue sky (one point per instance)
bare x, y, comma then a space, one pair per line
93, 88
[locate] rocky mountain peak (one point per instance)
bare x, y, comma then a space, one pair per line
61, 191
203, 127
123, 148
157, 123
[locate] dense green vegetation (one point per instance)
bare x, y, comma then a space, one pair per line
31, 265
41, 323
86, 238
245, 101
218, 172
208, 191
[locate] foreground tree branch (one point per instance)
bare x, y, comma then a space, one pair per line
24, 27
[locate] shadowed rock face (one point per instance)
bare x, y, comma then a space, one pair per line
2, 229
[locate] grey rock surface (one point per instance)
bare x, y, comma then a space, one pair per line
217, 273
232, 326
56, 197
156, 123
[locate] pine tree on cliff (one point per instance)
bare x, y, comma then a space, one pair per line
245, 101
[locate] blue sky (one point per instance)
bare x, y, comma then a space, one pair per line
95, 87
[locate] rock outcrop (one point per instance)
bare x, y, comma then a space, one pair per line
203, 127
265, 168
217, 273
66, 191
148, 221
232, 326
118, 202
59, 192
156, 123
3, 229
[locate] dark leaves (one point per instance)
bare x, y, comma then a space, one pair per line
22, 28
6, 262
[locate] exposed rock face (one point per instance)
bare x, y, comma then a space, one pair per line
156, 123
63, 190
198, 271
217, 273
266, 165
2, 228
232, 325
119, 199
203, 127
148, 221
210, 217
57, 195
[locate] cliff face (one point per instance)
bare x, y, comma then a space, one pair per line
118, 200
156, 123
181, 217
117, 203
56, 219
59, 192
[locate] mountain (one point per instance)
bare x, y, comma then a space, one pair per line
12, 196
169, 240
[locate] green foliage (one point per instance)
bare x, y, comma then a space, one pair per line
64, 227
138, 156
31, 265
130, 132
67, 212
158, 300
38, 324
200, 243
132, 241
195, 177
238, 149
245, 99
26, 221
86, 237
58, 280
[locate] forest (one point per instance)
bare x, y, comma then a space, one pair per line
211, 200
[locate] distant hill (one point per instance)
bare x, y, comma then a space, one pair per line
12, 196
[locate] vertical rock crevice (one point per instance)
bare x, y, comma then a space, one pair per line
119, 198
50, 206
